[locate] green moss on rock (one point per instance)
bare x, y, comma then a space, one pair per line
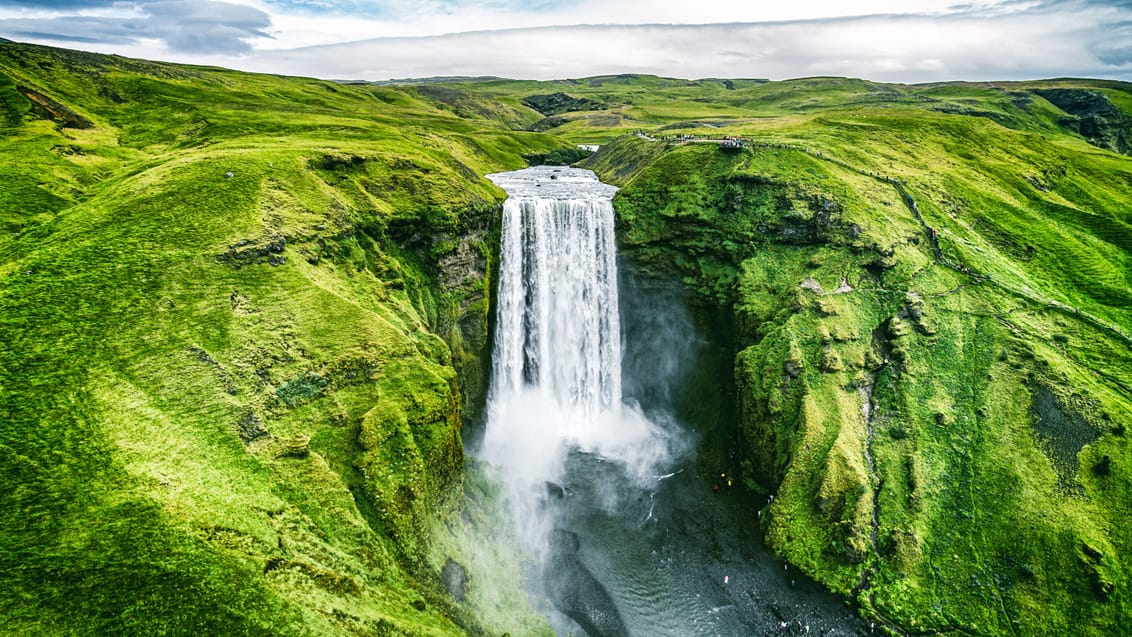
907, 466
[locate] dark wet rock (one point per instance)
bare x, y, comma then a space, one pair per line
555, 491
455, 579
463, 261
577, 593
466, 264
301, 389
1092, 116
267, 249
251, 427
556, 103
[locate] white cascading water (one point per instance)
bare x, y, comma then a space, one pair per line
556, 377
558, 324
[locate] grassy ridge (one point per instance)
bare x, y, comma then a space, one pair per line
941, 431
223, 400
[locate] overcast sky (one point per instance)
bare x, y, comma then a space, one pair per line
891, 40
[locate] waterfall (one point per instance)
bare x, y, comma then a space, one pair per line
557, 329
556, 375
620, 535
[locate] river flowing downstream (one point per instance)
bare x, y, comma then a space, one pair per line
624, 538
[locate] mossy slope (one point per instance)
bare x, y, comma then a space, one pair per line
932, 353
224, 406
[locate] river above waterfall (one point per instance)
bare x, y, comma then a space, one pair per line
553, 182
625, 537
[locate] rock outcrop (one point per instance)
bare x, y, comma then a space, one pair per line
1093, 116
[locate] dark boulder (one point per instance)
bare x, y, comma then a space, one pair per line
576, 593
251, 427
455, 579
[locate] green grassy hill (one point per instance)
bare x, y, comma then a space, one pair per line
243, 316
933, 353
240, 319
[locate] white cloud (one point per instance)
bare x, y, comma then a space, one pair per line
404, 18
909, 48
189, 26
896, 40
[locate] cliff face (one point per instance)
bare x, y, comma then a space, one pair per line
1093, 116
926, 381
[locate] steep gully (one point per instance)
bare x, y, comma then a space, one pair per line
625, 538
